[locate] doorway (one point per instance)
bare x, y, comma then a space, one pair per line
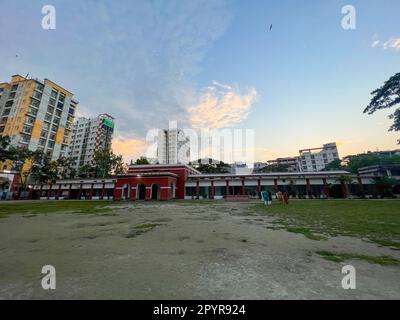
155, 192
141, 192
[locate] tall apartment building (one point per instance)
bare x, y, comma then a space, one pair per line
173, 147
89, 136
37, 115
316, 159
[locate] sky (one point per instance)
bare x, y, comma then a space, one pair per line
215, 64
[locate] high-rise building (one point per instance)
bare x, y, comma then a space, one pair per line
173, 147
89, 136
37, 115
316, 159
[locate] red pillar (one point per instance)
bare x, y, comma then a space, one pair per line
344, 190
103, 190
197, 189
41, 190
133, 193
148, 193
58, 192
212, 190
69, 191
360, 185
49, 191
326, 189
80, 192
227, 191
91, 191
308, 188
276, 185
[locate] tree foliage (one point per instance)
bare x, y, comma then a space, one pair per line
385, 97
142, 160
213, 166
353, 163
106, 163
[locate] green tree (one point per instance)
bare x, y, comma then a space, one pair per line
387, 96
334, 165
353, 163
5, 153
43, 169
65, 168
211, 166
86, 171
107, 163
142, 160
120, 167
385, 185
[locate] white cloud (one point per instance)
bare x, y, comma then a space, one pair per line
375, 43
221, 106
392, 43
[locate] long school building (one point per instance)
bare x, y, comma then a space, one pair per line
166, 182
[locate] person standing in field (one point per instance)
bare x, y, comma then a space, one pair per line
265, 197
279, 196
285, 198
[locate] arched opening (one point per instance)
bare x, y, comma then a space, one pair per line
126, 192
141, 192
155, 192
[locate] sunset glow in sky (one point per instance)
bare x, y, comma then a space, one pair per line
216, 64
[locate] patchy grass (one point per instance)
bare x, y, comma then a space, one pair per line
149, 226
43, 207
376, 220
141, 229
341, 257
306, 232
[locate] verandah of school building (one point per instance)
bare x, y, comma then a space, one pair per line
165, 182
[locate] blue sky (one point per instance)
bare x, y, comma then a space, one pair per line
302, 84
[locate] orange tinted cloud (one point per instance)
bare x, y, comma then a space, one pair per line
221, 106
129, 148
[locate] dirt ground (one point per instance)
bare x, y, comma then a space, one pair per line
174, 250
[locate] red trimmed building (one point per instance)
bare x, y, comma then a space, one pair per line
165, 182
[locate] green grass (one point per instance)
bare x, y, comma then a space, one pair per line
341, 257
96, 207
376, 220
306, 232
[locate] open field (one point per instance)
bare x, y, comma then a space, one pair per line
200, 249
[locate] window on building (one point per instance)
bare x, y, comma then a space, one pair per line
48, 117
52, 102
54, 94
35, 103
50, 109
14, 87
39, 87
32, 111
37, 95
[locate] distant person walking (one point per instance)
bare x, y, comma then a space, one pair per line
279, 196
266, 196
285, 198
